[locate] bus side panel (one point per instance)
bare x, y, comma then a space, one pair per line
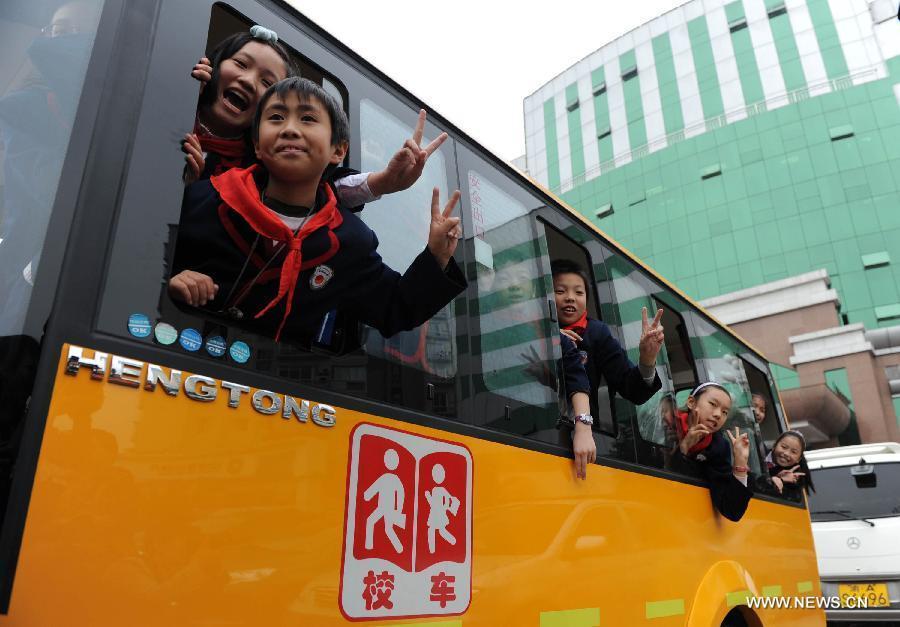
153, 509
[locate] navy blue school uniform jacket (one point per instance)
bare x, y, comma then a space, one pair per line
576, 378
729, 496
605, 359
286, 289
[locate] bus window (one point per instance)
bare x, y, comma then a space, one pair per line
653, 420
516, 380
46, 47
562, 248
765, 414
675, 364
719, 355
44, 51
401, 222
763, 403
414, 370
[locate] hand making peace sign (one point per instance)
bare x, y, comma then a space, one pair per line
406, 166
652, 337
740, 446
791, 475
445, 230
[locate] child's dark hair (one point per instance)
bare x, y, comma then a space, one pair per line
306, 90
229, 47
804, 467
567, 266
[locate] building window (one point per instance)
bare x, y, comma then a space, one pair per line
777, 10
605, 210
738, 24
839, 383
888, 312
876, 260
840, 132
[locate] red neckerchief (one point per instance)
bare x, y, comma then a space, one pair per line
681, 427
238, 190
231, 151
579, 326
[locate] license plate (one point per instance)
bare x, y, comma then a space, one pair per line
874, 595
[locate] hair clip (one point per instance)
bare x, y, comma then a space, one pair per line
264, 34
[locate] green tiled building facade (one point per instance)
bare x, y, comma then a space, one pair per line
732, 144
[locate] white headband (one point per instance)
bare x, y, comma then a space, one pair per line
710, 384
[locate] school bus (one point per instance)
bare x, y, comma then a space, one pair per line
163, 466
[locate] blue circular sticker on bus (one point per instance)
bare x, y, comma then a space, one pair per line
165, 333
191, 340
239, 352
215, 346
139, 325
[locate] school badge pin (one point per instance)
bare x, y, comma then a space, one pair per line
320, 276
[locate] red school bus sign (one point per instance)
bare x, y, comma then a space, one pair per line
407, 526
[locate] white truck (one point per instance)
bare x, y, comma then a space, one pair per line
855, 513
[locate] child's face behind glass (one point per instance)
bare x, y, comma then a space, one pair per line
571, 297
787, 452
243, 78
295, 139
759, 408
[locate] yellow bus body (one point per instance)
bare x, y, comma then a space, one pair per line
151, 509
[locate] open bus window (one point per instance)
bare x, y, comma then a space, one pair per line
566, 253
332, 350
235, 265
241, 296
766, 428
720, 356
763, 404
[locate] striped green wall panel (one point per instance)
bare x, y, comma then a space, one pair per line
705, 66
634, 105
826, 34
576, 147
601, 116
553, 179
673, 117
788, 54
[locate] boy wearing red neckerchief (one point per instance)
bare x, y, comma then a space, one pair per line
270, 246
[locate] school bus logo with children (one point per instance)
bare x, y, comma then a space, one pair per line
407, 526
